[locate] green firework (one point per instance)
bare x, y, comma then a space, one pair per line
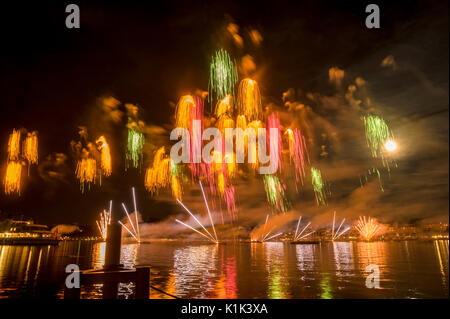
135, 146
377, 134
275, 193
318, 186
222, 75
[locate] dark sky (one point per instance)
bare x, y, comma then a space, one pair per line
147, 54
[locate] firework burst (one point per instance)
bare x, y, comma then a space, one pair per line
13, 178
159, 175
298, 153
86, 172
367, 228
222, 75
318, 186
105, 156
377, 135
135, 146
249, 100
14, 145
103, 222
275, 192
30, 148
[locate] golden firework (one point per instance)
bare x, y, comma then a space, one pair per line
224, 106
13, 177
184, 111
30, 148
86, 171
158, 176
105, 156
249, 100
14, 145
368, 228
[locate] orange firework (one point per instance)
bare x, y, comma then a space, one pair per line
86, 171
225, 122
241, 122
14, 145
30, 148
105, 156
224, 106
158, 176
176, 188
12, 178
230, 160
249, 100
367, 228
221, 183
184, 111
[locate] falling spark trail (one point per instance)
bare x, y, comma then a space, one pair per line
209, 213
129, 218
179, 221
135, 146
303, 230
13, 177
195, 219
276, 235
128, 230
136, 213
105, 155
318, 185
298, 224
14, 145
223, 76
30, 148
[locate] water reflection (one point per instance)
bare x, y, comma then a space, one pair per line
240, 270
195, 268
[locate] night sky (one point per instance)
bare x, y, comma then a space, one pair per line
53, 80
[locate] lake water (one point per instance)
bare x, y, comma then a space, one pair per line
409, 269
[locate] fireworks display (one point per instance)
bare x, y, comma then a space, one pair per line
134, 229
103, 222
14, 145
159, 175
298, 153
224, 107
275, 192
12, 178
135, 147
367, 228
86, 172
105, 156
231, 108
222, 75
17, 157
249, 100
377, 134
318, 186
30, 148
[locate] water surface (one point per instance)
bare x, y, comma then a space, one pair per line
409, 269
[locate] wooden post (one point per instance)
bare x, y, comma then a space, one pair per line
110, 289
113, 246
142, 283
71, 293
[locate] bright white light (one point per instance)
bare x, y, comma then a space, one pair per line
390, 146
